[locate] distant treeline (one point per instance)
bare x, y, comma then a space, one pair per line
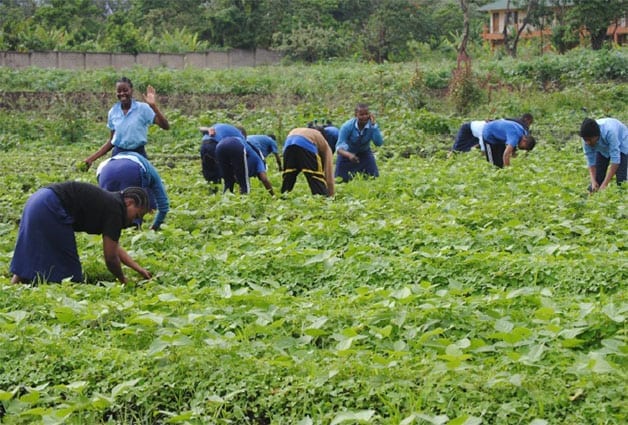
308, 30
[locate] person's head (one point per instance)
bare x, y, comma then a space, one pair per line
362, 113
242, 130
272, 136
527, 143
527, 119
137, 203
124, 90
590, 131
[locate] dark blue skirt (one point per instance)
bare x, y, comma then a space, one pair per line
46, 248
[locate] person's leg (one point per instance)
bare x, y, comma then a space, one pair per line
312, 167
344, 168
291, 168
601, 165
495, 154
45, 247
622, 171
465, 141
211, 170
367, 164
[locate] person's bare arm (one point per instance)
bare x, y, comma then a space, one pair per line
264, 179
151, 98
612, 170
106, 147
508, 153
351, 157
278, 158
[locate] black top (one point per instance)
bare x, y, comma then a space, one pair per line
94, 210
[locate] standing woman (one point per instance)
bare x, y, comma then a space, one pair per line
46, 246
129, 120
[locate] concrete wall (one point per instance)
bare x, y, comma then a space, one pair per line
76, 60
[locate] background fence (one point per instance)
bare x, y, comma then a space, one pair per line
77, 60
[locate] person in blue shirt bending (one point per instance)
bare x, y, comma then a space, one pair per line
354, 145
236, 159
502, 138
266, 144
211, 136
605, 141
129, 120
128, 169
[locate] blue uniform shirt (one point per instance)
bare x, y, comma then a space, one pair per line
131, 130
613, 141
503, 132
331, 135
222, 131
264, 143
351, 139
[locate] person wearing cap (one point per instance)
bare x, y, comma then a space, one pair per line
354, 145
502, 138
45, 249
128, 121
128, 169
266, 144
307, 150
605, 145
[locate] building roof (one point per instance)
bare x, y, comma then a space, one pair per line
503, 5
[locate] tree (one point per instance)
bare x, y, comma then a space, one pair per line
532, 7
596, 16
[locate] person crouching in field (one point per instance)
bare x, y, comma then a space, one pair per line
129, 120
502, 138
46, 246
354, 145
266, 144
129, 169
605, 141
211, 137
307, 150
236, 159
469, 136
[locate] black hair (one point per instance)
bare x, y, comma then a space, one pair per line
242, 130
138, 195
527, 117
272, 136
531, 142
361, 106
589, 128
125, 80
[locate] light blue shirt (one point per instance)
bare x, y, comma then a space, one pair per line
131, 130
613, 141
264, 143
151, 181
351, 139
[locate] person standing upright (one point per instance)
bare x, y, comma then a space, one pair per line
128, 121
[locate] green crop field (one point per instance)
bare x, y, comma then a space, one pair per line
446, 291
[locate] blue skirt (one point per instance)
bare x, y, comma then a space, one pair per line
46, 248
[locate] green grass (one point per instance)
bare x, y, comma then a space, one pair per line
444, 292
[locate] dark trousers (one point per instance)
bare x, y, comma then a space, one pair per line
140, 149
495, 154
465, 140
231, 158
211, 170
601, 167
296, 160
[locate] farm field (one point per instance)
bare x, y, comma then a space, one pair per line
444, 292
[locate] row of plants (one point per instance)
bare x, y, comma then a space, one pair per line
443, 292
